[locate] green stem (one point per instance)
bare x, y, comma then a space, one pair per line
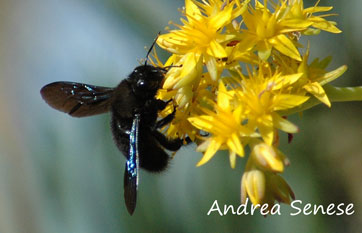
335, 94
343, 94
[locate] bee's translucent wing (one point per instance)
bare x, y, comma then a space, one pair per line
77, 99
132, 167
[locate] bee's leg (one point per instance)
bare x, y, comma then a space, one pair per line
161, 123
159, 104
169, 144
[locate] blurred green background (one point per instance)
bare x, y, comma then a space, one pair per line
62, 174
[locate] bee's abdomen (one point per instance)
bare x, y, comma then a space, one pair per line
121, 131
152, 156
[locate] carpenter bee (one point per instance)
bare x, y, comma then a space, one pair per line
134, 121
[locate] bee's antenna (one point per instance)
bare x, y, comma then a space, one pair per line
172, 66
165, 68
153, 44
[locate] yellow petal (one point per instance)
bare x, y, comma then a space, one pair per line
248, 42
238, 145
189, 64
165, 94
172, 77
221, 19
235, 145
203, 122
223, 97
264, 54
255, 186
294, 24
284, 45
237, 113
210, 152
317, 90
330, 76
285, 101
216, 50
192, 11
172, 42
264, 50
267, 157
315, 9
246, 57
204, 145
241, 8
283, 124
243, 192
183, 96
211, 67
220, 38
232, 158
325, 25
190, 70
311, 32
285, 80
267, 133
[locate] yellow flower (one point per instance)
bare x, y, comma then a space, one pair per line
180, 127
268, 157
295, 10
225, 126
253, 184
314, 75
200, 39
263, 94
264, 187
182, 75
266, 30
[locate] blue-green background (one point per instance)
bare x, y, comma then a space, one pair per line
62, 174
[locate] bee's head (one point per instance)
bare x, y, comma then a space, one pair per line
146, 80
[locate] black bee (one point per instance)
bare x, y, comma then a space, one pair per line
134, 123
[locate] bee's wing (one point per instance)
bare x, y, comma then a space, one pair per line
132, 166
77, 99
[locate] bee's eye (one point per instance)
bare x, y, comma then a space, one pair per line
141, 83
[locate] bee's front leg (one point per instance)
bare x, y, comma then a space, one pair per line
161, 123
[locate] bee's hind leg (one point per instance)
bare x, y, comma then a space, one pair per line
170, 144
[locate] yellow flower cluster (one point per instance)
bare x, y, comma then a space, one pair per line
235, 71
